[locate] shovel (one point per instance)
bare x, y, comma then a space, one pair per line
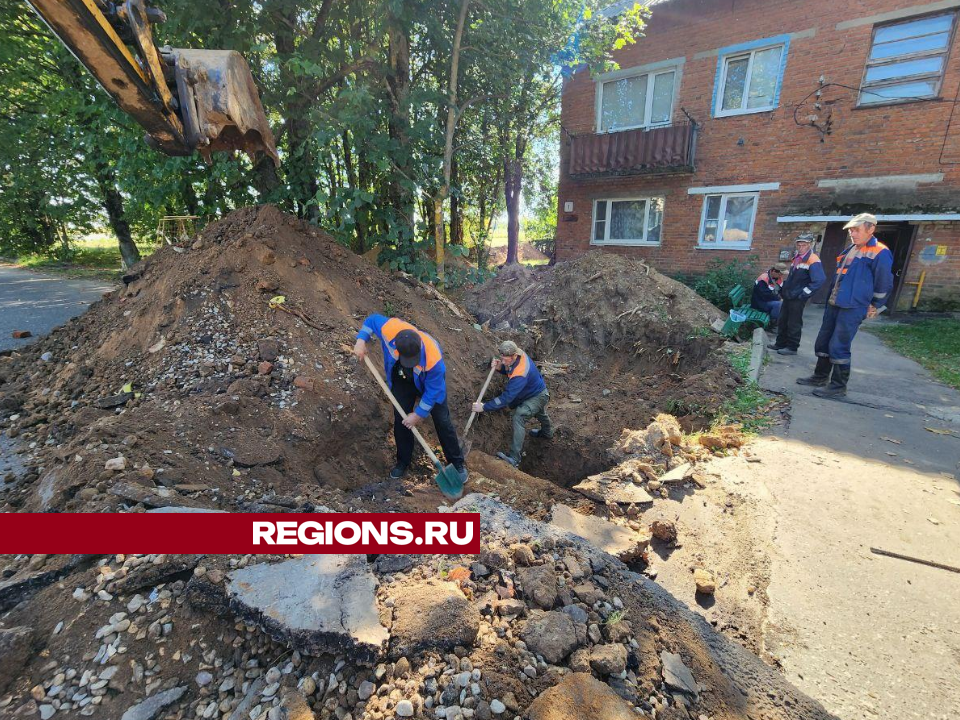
467, 445
448, 479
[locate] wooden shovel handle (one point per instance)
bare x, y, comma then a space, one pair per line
416, 433
483, 391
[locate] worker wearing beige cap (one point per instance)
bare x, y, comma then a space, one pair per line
525, 393
860, 290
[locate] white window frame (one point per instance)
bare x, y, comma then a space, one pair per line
641, 242
722, 219
718, 111
651, 71
864, 85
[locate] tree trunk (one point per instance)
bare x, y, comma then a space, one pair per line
512, 186
448, 144
189, 197
399, 192
352, 178
456, 207
113, 204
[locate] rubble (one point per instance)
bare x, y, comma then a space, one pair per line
432, 614
15, 648
603, 534
346, 621
580, 696
152, 706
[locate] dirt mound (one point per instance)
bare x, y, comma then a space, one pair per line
617, 342
597, 300
211, 395
527, 252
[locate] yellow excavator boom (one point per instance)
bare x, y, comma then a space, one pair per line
187, 100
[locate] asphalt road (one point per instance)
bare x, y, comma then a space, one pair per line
38, 302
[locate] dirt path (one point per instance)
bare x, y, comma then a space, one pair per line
869, 636
38, 302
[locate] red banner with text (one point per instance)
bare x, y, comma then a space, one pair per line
240, 533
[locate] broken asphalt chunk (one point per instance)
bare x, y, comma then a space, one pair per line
317, 604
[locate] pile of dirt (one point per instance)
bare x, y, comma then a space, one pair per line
527, 252
597, 300
618, 342
537, 614
202, 393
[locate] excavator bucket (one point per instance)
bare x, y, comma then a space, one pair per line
219, 105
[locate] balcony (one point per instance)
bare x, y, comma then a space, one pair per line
658, 151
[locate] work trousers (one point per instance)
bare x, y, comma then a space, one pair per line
535, 406
771, 308
401, 382
790, 325
837, 331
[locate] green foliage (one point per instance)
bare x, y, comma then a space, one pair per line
361, 150
934, 343
750, 404
720, 277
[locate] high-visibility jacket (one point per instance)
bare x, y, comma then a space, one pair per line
868, 279
805, 278
765, 290
525, 381
430, 374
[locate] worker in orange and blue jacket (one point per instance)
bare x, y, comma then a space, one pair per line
860, 290
805, 278
525, 393
766, 292
413, 363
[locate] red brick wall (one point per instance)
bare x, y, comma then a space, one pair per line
769, 147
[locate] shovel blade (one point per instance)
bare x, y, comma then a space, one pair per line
448, 480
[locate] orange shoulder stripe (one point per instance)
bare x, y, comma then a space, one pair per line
432, 350
393, 326
522, 367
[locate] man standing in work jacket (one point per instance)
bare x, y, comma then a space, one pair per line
413, 363
526, 394
860, 289
805, 278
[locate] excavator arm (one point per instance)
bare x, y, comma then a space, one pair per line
187, 100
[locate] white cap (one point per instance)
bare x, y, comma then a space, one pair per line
861, 219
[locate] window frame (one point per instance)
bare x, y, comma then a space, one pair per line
721, 221
868, 65
608, 217
651, 71
751, 53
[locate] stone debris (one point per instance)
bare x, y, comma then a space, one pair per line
580, 696
603, 534
664, 530
151, 707
432, 614
677, 675
705, 581
15, 648
609, 488
282, 599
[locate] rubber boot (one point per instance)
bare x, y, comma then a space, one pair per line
821, 375
838, 384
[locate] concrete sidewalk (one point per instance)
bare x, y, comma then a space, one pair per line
888, 396
869, 636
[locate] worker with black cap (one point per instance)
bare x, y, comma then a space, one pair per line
413, 364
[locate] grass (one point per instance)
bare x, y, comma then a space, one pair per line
934, 343
94, 256
749, 404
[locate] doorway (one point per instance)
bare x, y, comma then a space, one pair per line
898, 236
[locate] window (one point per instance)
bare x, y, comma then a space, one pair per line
727, 220
634, 221
749, 77
636, 101
907, 60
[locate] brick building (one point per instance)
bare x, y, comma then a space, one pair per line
735, 124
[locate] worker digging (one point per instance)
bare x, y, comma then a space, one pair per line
413, 363
860, 289
525, 393
805, 278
